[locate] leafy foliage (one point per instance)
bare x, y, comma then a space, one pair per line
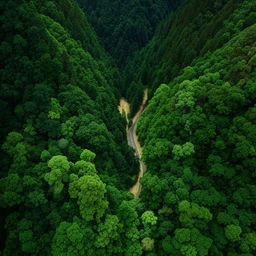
58, 89
66, 166
126, 26
198, 138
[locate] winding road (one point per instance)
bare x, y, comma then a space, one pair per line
134, 143
133, 140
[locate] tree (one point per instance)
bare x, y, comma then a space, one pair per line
11, 190
233, 232
69, 239
108, 232
129, 217
63, 143
56, 109
59, 173
147, 244
188, 250
82, 167
90, 191
191, 242
87, 155
12, 140
148, 218
248, 243
26, 238
190, 212
181, 151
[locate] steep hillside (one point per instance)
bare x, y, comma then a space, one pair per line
199, 27
198, 136
66, 167
57, 99
56, 74
126, 26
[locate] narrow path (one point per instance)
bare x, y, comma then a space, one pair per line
134, 142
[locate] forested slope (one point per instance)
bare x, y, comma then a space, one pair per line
65, 163
195, 29
198, 136
57, 99
126, 26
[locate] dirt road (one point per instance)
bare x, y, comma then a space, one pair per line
133, 140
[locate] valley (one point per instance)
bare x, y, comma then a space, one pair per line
128, 128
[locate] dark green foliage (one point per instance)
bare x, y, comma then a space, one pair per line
62, 92
126, 26
58, 91
192, 31
198, 136
65, 163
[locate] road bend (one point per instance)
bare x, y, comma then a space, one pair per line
133, 141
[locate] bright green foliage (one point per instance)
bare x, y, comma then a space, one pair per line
83, 168
59, 173
188, 250
191, 212
233, 232
87, 155
148, 218
191, 242
68, 240
59, 162
89, 190
129, 216
182, 151
147, 244
56, 109
58, 96
55, 178
205, 174
249, 243
108, 231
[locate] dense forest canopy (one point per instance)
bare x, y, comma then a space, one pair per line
58, 98
197, 28
198, 137
66, 167
126, 26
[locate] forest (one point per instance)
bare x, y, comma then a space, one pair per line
66, 166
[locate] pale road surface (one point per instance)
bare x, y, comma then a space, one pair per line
134, 143
133, 140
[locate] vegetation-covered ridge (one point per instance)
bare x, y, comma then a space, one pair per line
195, 29
58, 98
65, 163
126, 26
198, 135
